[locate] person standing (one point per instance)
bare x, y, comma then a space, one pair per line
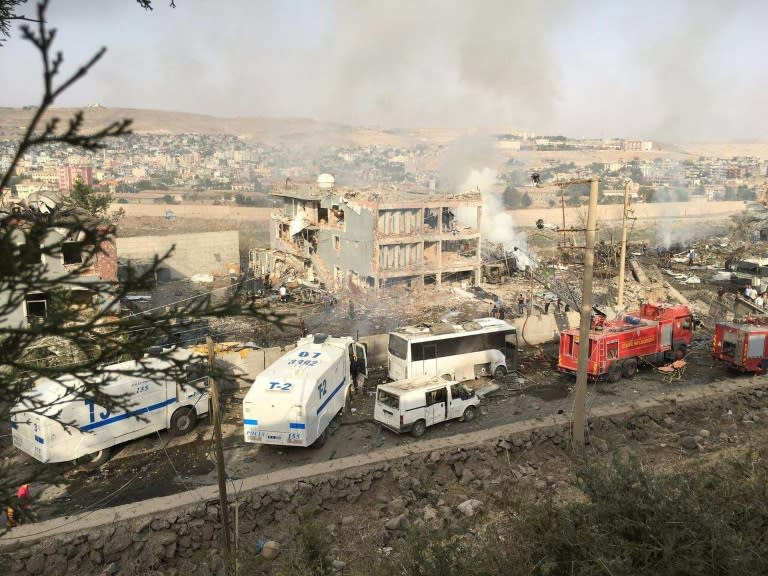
283, 294
520, 305
351, 310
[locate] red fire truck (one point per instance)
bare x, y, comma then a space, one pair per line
655, 333
742, 345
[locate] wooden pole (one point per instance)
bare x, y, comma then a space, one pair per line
220, 472
580, 397
623, 258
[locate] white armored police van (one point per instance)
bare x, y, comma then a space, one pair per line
54, 423
413, 404
294, 399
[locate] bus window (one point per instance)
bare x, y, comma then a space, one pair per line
398, 347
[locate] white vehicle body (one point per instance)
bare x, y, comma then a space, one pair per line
152, 404
459, 351
414, 404
293, 400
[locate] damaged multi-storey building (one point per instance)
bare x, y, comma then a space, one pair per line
377, 237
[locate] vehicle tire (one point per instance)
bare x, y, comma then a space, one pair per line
681, 351
630, 368
418, 428
469, 414
321, 440
183, 420
499, 373
614, 372
95, 459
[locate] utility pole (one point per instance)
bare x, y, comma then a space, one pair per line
220, 473
579, 402
623, 259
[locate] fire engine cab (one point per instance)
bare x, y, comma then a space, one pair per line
654, 333
742, 345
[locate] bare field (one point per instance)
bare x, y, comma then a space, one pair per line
642, 212
148, 218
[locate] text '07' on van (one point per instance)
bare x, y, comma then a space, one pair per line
294, 399
55, 422
482, 347
412, 405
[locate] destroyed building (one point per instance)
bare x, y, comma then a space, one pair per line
377, 237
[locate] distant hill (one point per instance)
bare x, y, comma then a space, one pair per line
14, 120
313, 133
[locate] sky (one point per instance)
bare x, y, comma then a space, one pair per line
671, 70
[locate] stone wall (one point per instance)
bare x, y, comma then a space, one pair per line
185, 540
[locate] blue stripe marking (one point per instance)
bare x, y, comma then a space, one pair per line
14, 425
296, 426
39, 440
331, 395
127, 415
251, 421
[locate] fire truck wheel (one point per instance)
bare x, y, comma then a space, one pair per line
96, 459
183, 420
614, 372
418, 428
630, 368
681, 351
499, 373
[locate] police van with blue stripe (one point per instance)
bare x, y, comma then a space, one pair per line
56, 422
295, 398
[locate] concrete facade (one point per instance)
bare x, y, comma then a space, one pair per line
202, 253
378, 238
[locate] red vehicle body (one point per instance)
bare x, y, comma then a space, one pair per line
654, 333
742, 345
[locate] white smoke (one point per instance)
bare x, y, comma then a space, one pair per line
497, 224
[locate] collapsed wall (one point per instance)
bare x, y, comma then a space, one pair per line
185, 538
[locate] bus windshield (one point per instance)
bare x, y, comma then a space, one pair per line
398, 346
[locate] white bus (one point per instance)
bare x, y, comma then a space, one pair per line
482, 347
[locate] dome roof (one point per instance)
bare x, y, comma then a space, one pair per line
325, 181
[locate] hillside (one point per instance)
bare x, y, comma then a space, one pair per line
14, 120
306, 131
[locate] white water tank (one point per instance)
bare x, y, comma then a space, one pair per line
326, 181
